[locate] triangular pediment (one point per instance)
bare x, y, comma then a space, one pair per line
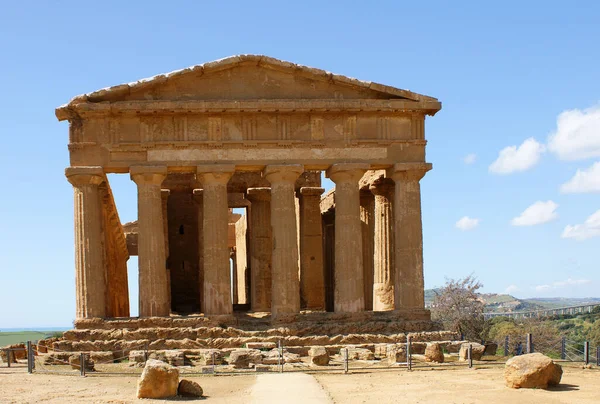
247, 77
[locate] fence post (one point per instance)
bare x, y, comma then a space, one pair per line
598, 356
29, 358
529, 343
506, 346
345, 360
281, 356
586, 352
408, 353
82, 364
470, 356
563, 348
8, 356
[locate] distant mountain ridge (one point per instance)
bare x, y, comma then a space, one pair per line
501, 303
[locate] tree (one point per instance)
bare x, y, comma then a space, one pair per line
458, 307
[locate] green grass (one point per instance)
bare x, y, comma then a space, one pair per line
8, 338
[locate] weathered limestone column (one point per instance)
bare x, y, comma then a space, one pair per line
90, 271
349, 288
153, 277
199, 200
312, 276
383, 282
408, 261
217, 272
261, 246
285, 298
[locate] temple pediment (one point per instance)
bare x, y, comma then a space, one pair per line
247, 77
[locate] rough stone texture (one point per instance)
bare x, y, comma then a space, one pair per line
75, 362
260, 248
383, 282
261, 345
434, 353
476, 351
102, 357
363, 354
452, 346
189, 388
243, 358
318, 356
396, 353
272, 357
158, 380
532, 371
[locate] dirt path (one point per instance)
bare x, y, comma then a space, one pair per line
289, 388
456, 386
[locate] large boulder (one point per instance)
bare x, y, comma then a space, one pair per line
318, 356
363, 354
532, 371
272, 357
476, 351
242, 358
75, 362
434, 353
158, 380
189, 388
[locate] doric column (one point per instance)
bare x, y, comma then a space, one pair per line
408, 262
285, 298
312, 277
153, 276
90, 271
260, 248
383, 282
217, 271
349, 287
199, 200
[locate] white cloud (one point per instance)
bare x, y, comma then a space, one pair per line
590, 228
562, 284
511, 289
538, 213
514, 159
470, 158
577, 134
467, 223
583, 181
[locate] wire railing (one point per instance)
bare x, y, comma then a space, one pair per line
406, 355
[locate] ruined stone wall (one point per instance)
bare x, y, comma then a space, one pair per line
183, 261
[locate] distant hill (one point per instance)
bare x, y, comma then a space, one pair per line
496, 302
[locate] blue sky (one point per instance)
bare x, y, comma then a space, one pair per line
505, 74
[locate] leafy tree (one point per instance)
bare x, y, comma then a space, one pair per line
459, 308
593, 334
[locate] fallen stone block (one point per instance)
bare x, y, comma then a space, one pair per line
158, 380
318, 356
189, 388
434, 353
532, 371
476, 351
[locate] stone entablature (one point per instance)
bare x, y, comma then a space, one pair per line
252, 132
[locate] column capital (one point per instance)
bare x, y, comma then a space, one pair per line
148, 174
408, 171
215, 173
283, 173
91, 175
314, 191
347, 172
258, 194
382, 187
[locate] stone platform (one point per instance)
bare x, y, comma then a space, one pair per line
196, 332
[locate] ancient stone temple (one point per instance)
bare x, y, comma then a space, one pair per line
253, 133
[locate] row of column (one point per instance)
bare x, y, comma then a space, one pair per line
280, 239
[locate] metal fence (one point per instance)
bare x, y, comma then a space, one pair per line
281, 359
